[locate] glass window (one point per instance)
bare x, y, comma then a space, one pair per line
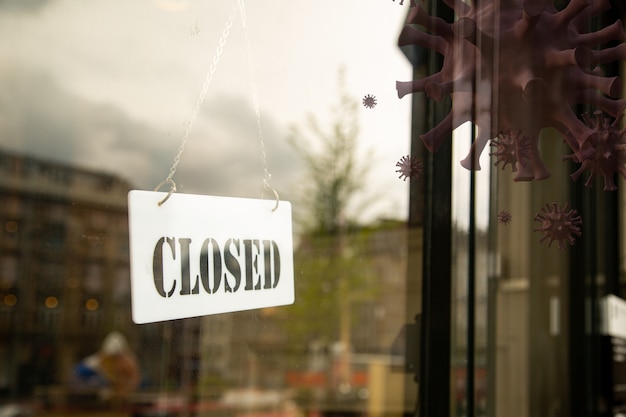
105, 108
423, 285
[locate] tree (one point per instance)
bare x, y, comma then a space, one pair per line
333, 176
333, 272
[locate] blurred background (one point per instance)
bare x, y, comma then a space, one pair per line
95, 100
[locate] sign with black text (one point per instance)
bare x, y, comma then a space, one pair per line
198, 255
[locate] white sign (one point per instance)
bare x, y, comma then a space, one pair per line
613, 316
198, 255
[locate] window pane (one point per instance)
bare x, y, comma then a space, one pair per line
105, 105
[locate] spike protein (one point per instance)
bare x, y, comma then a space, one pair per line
544, 65
559, 223
410, 167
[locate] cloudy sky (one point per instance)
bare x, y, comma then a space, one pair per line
112, 84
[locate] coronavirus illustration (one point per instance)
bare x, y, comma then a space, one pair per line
511, 148
603, 154
369, 101
518, 66
504, 217
562, 224
409, 167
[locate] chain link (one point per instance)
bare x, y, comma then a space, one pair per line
255, 102
196, 109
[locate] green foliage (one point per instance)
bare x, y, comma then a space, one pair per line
333, 175
330, 281
332, 267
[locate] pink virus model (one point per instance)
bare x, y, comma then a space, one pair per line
369, 101
558, 223
409, 167
504, 217
530, 58
511, 147
603, 153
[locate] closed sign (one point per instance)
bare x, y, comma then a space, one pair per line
198, 255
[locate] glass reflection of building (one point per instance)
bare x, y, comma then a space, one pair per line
64, 262
65, 284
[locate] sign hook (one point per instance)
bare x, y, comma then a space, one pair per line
169, 194
267, 186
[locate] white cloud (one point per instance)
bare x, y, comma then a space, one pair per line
126, 76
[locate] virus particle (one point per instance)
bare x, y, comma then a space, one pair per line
603, 153
504, 217
511, 148
533, 60
558, 223
369, 101
409, 167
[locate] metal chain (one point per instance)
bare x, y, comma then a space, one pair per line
196, 109
255, 102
